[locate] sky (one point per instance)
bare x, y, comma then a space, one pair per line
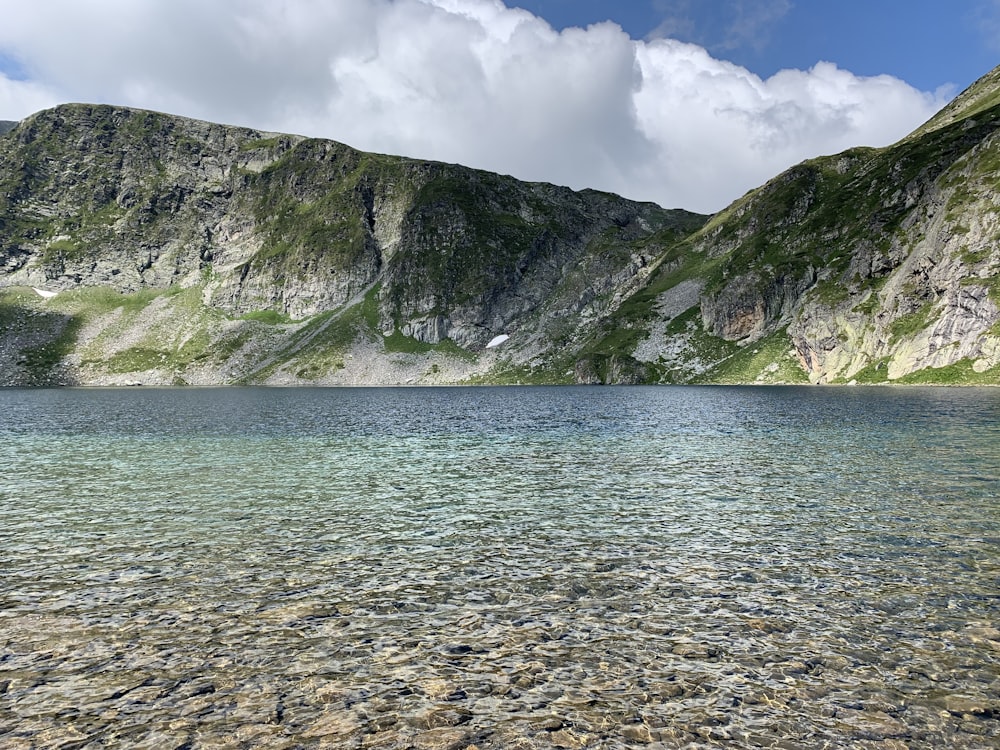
687, 103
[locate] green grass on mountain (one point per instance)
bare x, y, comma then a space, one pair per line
960, 373
908, 325
768, 360
267, 317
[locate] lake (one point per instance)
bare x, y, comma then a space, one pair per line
500, 567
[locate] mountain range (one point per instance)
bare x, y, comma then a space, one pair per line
139, 247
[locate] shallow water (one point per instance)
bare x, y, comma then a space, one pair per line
500, 567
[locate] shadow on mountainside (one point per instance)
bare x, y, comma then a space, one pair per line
33, 345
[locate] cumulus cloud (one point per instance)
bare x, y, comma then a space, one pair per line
20, 97
469, 81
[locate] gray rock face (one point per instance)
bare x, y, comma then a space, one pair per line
751, 304
430, 330
933, 304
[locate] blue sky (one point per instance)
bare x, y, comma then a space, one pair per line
687, 103
927, 43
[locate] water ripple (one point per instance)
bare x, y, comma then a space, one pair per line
437, 568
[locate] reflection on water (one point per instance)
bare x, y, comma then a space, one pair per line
503, 568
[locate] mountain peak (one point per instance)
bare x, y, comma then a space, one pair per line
982, 95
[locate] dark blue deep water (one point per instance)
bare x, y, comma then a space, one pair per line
500, 568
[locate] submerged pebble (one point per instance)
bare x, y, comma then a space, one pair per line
532, 583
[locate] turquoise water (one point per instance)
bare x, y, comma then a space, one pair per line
500, 567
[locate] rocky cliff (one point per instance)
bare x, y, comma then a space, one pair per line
140, 247
874, 265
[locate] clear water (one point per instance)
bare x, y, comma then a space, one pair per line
500, 568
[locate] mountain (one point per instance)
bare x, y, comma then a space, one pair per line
6, 126
190, 252
185, 251
873, 265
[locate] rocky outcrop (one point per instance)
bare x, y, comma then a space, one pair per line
928, 300
751, 304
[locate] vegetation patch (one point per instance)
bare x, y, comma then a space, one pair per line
992, 285
771, 359
617, 341
624, 329
707, 347
870, 304
910, 324
154, 354
510, 374
699, 352
97, 300
175, 338
317, 329
468, 236
369, 308
319, 345
311, 208
42, 363
227, 345
267, 317
135, 359
959, 373
962, 195
972, 257
873, 373
260, 144
397, 343
831, 292
62, 250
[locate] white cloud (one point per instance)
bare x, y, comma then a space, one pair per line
18, 98
469, 81
724, 128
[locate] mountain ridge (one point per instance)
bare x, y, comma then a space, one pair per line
285, 229
190, 252
873, 265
